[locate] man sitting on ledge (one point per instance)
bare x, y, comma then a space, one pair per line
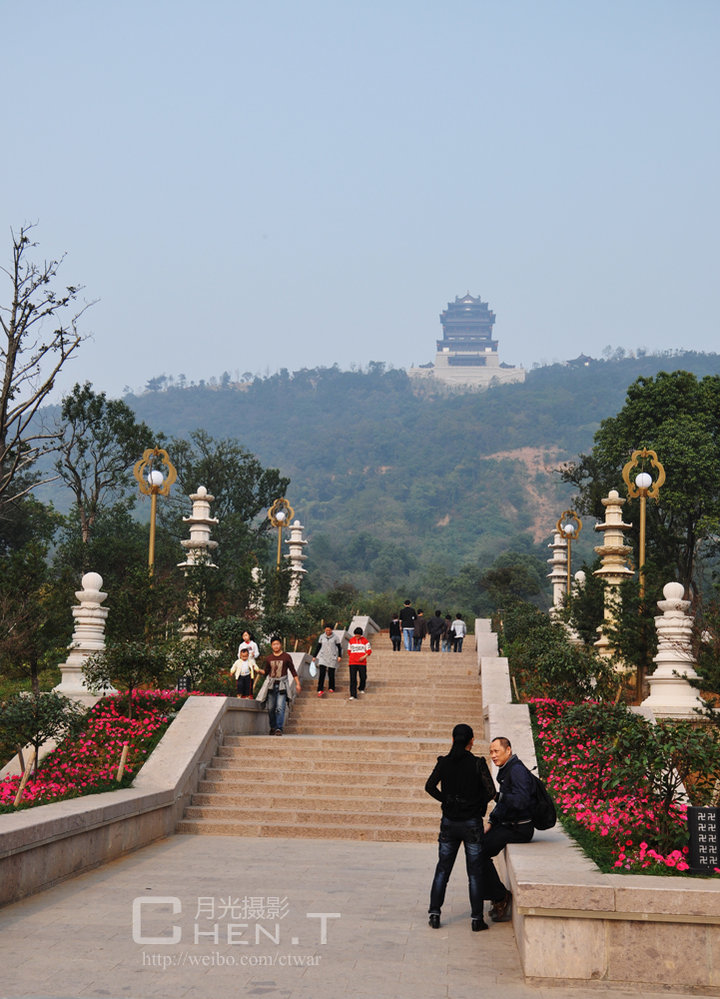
509, 822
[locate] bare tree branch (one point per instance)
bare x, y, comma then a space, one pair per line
38, 334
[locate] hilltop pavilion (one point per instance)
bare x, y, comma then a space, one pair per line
467, 353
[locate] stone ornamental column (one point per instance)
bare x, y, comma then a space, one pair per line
88, 637
198, 550
296, 559
672, 696
199, 546
256, 601
558, 576
614, 569
578, 585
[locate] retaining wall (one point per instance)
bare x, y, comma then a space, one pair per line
42, 846
573, 923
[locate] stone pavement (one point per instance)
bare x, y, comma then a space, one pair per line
323, 920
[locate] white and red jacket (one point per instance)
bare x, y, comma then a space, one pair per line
358, 650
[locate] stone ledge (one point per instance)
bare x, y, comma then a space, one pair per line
572, 922
551, 873
42, 846
495, 681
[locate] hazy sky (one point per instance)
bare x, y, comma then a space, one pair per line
249, 186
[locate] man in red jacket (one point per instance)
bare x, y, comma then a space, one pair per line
358, 652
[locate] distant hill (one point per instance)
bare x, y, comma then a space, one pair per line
397, 484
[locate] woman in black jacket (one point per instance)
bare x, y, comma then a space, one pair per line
465, 788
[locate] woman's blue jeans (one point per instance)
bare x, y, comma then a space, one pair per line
469, 832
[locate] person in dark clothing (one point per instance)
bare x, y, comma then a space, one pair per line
396, 633
466, 787
407, 620
447, 636
435, 627
419, 631
510, 821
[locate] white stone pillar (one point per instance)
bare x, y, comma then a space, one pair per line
199, 546
198, 550
296, 559
578, 585
88, 638
671, 696
256, 604
558, 576
614, 569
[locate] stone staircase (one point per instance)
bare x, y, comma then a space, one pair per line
347, 769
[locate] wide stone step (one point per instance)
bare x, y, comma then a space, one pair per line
350, 769
351, 772
333, 754
308, 743
319, 781
385, 708
420, 833
439, 731
433, 693
320, 797
301, 815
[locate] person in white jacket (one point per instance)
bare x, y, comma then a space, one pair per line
459, 631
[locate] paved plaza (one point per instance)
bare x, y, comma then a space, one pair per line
217, 917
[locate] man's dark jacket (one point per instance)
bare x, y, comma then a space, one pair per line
407, 616
517, 793
435, 625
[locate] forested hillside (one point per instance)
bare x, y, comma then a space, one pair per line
397, 485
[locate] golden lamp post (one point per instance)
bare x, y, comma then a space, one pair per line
569, 525
642, 486
153, 483
280, 514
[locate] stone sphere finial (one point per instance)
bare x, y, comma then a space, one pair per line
202, 491
673, 591
92, 581
613, 494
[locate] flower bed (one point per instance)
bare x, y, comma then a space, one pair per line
88, 762
616, 817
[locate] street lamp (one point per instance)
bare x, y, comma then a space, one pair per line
569, 526
643, 486
279, 514
154, 483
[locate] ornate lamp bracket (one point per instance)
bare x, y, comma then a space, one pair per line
155, 458
638, 461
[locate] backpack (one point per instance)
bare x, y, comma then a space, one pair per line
544, 815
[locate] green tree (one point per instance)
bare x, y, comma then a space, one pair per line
545, 663
118, 550
513, 577
243, 490
585, 611
99, 442
127, 666
706, 648
35, 718
31, 624
677, 416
